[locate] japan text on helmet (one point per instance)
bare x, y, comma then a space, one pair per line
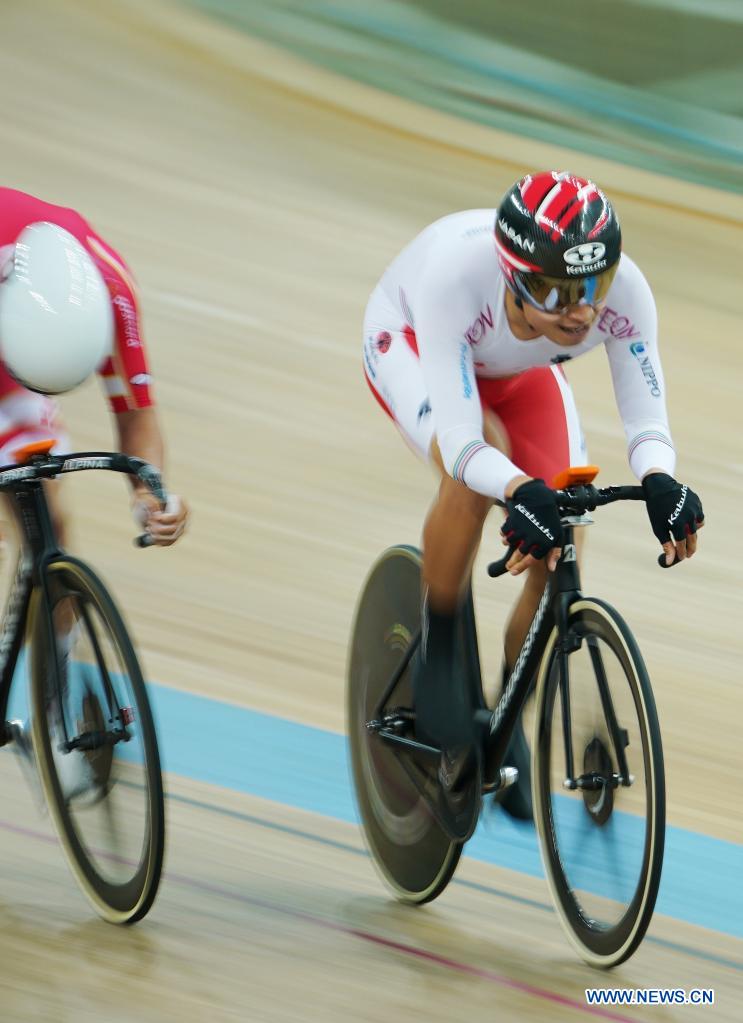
56, 321
554, 226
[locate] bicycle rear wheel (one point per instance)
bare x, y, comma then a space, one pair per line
410, 848
601, 842
95, 743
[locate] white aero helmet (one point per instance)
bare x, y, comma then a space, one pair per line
56, 321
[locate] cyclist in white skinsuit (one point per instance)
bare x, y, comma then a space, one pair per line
448, 287
464, 340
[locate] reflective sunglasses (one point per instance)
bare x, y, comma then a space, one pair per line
555, 295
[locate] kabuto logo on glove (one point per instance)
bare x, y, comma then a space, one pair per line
677, 510
532, 518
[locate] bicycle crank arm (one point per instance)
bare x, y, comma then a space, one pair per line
95, 740
411, 745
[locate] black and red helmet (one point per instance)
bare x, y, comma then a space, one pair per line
556, 225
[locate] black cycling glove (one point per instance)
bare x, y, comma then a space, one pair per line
672, 507
533, 521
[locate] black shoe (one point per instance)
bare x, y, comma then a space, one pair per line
443, 710
516, 799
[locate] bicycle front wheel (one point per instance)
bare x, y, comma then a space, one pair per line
598, 784
95, 742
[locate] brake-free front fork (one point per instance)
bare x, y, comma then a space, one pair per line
569, 642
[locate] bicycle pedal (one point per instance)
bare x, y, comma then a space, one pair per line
504, 779
507, 776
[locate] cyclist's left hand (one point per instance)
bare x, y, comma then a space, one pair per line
532, 527
673, 508
164, 525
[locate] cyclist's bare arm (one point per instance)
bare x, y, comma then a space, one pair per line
139, 435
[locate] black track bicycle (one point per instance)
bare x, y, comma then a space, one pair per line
598, 786
94, 739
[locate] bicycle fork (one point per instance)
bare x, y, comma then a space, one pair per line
590, 781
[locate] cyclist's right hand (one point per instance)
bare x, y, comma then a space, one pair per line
163, 525
532, 525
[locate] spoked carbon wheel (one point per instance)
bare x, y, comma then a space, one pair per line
95, 743
602, 841
412, 851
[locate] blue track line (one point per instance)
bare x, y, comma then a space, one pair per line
285, 762
354, 850
307, 768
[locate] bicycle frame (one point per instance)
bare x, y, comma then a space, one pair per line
594, 716
38, 545
562, 590
24, 487
497, 725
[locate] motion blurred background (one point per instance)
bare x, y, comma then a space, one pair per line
258, 163
651, 83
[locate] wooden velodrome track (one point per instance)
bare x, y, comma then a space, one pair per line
257, 218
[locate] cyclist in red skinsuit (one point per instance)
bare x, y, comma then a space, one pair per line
26, 416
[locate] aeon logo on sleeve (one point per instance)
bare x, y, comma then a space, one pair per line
476, 332
610, 322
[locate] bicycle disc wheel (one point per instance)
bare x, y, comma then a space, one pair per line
602, 842
95, 743
412, 851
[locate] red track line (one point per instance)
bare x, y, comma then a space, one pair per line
398, 946
376, 939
